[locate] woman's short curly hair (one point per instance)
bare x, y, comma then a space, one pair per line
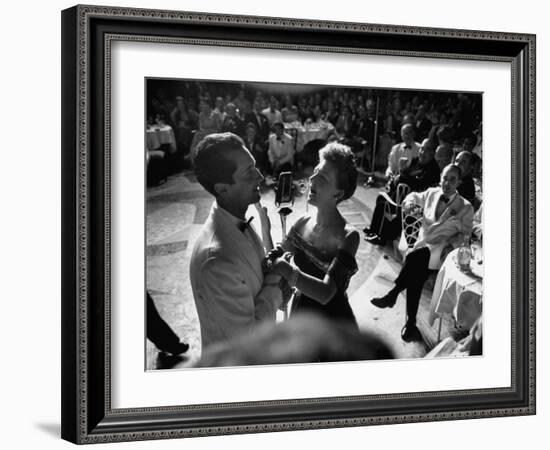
343, 159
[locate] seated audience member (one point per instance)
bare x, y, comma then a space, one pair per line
272, 114
344, 124
257, 147
307, 338
469, 142
422, 174
466, 188
408, 119
290, 111
405, 151
209, 122
423, 125
219, 109
184, 120
444, 155
232, 123
242, 103
446, 219
477, 169
445, 135
280, 151
258, 119
478, 147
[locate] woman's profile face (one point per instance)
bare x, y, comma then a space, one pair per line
323, 184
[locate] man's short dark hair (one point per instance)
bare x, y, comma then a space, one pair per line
343, 159
214, 161
445, 134
454, 167
407, 126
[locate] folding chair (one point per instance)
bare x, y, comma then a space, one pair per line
411, 222
392, 209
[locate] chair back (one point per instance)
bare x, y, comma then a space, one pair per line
411, 221
402, 191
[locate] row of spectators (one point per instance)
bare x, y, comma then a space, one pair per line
357, 117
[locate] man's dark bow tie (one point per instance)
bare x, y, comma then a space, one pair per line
407, 147
444, 199
280, 140
245, 224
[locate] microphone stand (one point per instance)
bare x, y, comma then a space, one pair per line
283, 212
370, 180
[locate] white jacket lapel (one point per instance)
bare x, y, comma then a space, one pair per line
240, 244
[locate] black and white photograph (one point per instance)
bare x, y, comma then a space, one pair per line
297, 223
292, 218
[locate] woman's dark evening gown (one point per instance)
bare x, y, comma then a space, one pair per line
318, 263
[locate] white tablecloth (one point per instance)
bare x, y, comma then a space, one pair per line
458, 293
308, 133
158, 135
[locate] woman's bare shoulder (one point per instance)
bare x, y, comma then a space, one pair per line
352, 239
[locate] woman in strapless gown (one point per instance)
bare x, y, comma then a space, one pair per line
339, 265
321, 248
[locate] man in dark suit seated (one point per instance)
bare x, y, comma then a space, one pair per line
466, 188
420, 175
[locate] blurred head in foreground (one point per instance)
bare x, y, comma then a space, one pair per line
305, 338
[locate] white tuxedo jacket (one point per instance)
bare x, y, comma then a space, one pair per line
230, 291
455, 222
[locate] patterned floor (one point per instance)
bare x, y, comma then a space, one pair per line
176, 211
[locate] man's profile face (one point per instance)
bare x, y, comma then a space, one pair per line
425, 155
443, 156
257, 105
245, 189
464, 161
449, 180
230, 110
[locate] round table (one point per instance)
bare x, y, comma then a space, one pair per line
158, 135
458, 293
308, 133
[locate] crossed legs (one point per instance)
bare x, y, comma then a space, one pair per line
412, 277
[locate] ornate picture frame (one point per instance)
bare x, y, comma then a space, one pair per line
88, 33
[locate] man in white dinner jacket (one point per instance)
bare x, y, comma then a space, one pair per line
231, 293
447, 218
406, 151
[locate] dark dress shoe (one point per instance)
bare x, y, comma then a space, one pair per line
176, 349
374, 239
410, 333
369, 234
385, 302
